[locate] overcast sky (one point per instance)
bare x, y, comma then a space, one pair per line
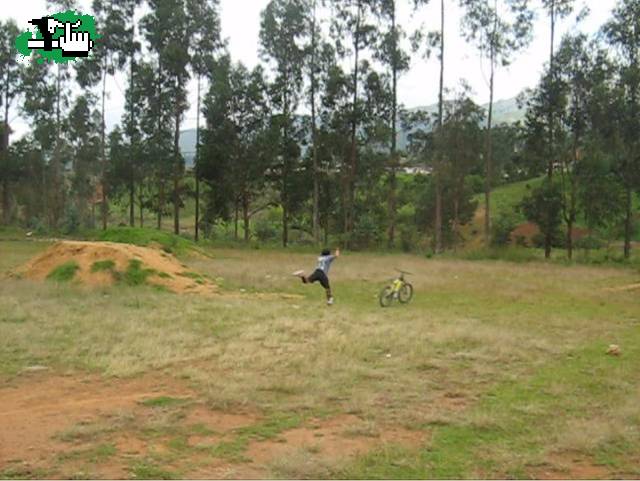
419, 86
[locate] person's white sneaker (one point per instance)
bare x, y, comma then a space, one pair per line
298, 273
330, 301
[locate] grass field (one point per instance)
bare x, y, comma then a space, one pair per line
494, 370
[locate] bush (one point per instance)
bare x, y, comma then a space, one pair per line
36, 225
409, 237
475, 183
71, 221
502, 228
543, 207
264, 230
366, 232
589, 242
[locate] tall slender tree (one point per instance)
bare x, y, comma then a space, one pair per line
282, 30
205, 43
391, 53
500, 29
353, 33
556, 10
10, 76
623, 34
313, 81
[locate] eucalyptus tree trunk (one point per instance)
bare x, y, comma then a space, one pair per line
103, 148
394, 108
246, 216
314, 130
353, 156
132, 181
176, 172
4, 150
552, 150
195, 168
489, 140
438, 185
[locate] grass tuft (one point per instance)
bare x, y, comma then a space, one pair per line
163, 402
136, 275
102, 266
64, 272
149, 470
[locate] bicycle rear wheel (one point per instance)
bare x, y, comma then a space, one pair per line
406, 293
386, 296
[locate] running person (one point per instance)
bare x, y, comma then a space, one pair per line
321, 273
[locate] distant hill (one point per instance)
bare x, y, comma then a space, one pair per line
504, 111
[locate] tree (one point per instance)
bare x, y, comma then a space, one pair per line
436, 39
313, 81
85, 144
353, 33
390, 53
543, 206
575, 79
556, 9
500, 28
459, 143
10, 80
167, 29
550, 94
251, 144
205, 42
623, 34
109, 55
41, 105
333, 136
282, 29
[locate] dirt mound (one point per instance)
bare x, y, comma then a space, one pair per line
106, 263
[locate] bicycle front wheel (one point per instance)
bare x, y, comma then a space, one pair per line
406, 293
386, 296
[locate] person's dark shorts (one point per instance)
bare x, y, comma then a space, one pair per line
319, 276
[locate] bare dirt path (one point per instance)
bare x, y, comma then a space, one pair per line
50, 424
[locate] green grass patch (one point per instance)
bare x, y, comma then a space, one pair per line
24, 472
102, 266
136, 275
234, 449
64, 272
164, 402
201, 429
512, 425
150, 470
505, 198
11, 318
93, 455
191, 275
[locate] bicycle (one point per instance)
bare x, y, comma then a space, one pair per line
399, 289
